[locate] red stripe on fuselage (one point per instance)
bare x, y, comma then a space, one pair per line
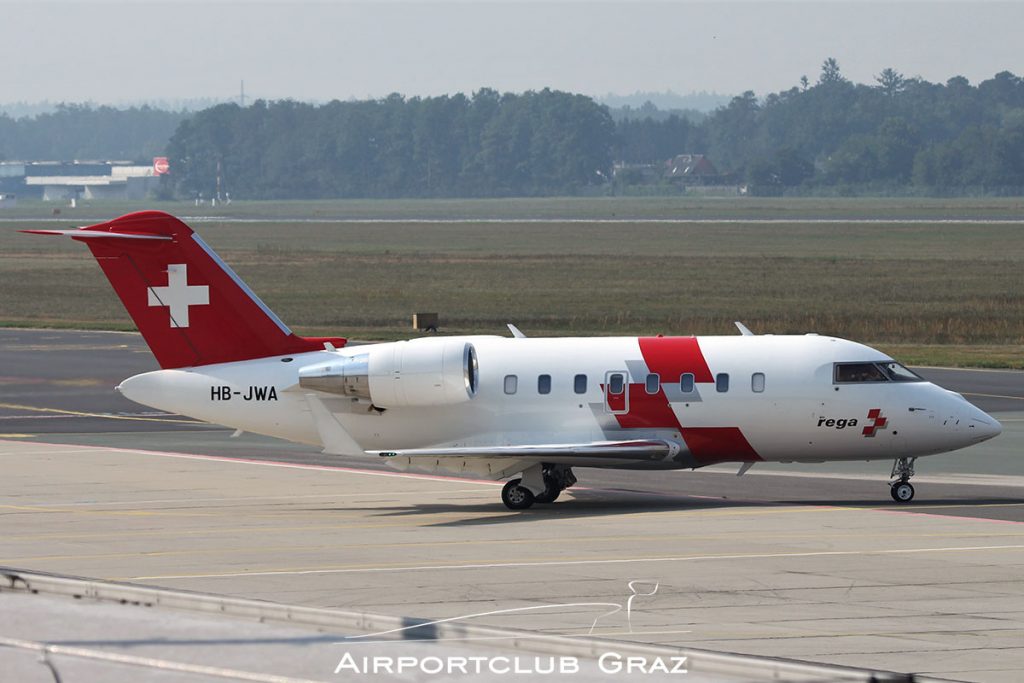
719, 444
650, 411
668, 357
671, 357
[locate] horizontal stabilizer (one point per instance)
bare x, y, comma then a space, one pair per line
89, 234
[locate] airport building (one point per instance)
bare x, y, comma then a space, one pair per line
67, 180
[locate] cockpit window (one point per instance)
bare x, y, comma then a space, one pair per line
859, 372
899, 373
874, 372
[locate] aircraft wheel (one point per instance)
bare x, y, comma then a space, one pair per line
516, 497
902, 492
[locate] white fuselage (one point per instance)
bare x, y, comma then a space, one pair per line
781, 402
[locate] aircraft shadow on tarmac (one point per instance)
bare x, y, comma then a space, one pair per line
596, 503
578, 507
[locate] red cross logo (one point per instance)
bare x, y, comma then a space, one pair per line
877, 422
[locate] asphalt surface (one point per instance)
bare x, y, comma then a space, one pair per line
852, 585
813, 562
57, 386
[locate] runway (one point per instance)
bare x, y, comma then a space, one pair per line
811, 562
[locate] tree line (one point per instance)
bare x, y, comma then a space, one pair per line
78, 131
489, 144
896, 134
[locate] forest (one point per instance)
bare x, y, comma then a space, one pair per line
80, 131
896, 135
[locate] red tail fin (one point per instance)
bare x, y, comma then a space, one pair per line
191, 308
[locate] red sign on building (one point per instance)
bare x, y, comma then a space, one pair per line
161, 165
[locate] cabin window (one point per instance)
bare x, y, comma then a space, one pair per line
757, 382
579, 384
511, 384
544, 384
617, 383
722, 382
653, 383
686, 383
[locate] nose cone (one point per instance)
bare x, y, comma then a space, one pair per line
981, 426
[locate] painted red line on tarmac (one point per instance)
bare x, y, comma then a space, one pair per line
947, 516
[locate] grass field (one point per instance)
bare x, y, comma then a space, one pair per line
926, 290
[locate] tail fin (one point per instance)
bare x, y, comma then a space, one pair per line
190, 307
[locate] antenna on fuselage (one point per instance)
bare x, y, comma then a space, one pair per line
516, 332
744, 330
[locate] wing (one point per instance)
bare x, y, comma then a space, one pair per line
496, 462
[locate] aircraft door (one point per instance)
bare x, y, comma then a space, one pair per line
616, 392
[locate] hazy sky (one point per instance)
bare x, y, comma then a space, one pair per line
158, 49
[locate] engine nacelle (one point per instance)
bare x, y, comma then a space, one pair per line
417, 373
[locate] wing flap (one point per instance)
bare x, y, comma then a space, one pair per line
640, 449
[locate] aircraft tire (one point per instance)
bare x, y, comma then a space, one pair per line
516, 497
902, 492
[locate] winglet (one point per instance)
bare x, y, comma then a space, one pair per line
516, 332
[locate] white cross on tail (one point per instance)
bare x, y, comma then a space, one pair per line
178, 295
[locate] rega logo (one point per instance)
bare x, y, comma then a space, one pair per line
875, 421
841, 423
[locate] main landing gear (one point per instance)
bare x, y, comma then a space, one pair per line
551, 480
900, 488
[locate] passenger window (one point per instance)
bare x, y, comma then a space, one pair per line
617, 383
859, 372
544, 384
579, 384
757, 382
653, 383
511, 384
722, 382
686, 383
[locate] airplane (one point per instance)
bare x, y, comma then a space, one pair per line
528, 410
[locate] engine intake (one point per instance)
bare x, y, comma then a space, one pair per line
417, 373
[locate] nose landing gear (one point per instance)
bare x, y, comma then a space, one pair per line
900, 488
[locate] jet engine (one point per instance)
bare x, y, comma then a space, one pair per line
417, 373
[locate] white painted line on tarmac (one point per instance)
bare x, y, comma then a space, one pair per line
990, 370
579, 563
518, 636
192, 502
556, 221
975, 393
248, 461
